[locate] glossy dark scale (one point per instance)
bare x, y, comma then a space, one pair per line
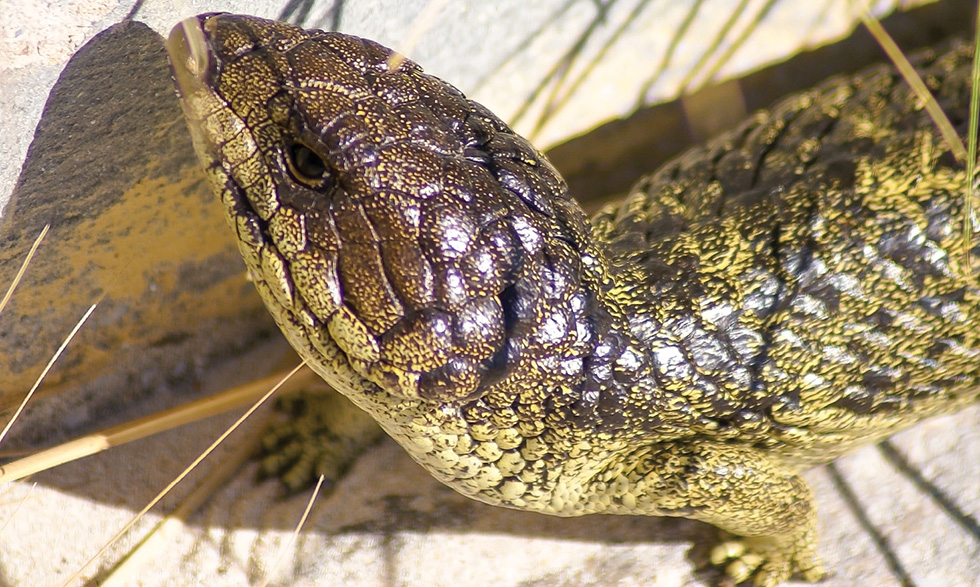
757, 306
847, 242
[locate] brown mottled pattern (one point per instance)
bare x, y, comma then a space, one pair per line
757, 306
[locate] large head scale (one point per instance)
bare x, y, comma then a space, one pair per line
390, 223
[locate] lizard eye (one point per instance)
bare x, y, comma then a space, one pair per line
304, 165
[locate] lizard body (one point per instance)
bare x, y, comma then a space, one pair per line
758, 306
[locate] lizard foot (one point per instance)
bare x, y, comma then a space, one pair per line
323, 434
764, 563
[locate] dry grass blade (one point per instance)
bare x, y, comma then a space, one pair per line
23, 267
130, 569
971, 160
423, 22
182, 475
299, 526
47, 368
149, 425
962, 154
3, 304
912, 78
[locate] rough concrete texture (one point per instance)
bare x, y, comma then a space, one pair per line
907, 515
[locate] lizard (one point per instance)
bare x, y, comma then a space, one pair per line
758, 306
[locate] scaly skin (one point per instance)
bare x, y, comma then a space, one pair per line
758, 306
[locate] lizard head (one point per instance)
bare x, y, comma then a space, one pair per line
399, 233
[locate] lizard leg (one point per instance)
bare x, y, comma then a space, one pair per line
323, 435
742, 491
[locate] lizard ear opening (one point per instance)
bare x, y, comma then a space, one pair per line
305, 165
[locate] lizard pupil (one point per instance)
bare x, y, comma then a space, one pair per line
305, 165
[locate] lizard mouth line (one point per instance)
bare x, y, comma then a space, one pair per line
190, 61
193, 69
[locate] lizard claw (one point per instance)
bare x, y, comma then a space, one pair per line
763, 563
323, 436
